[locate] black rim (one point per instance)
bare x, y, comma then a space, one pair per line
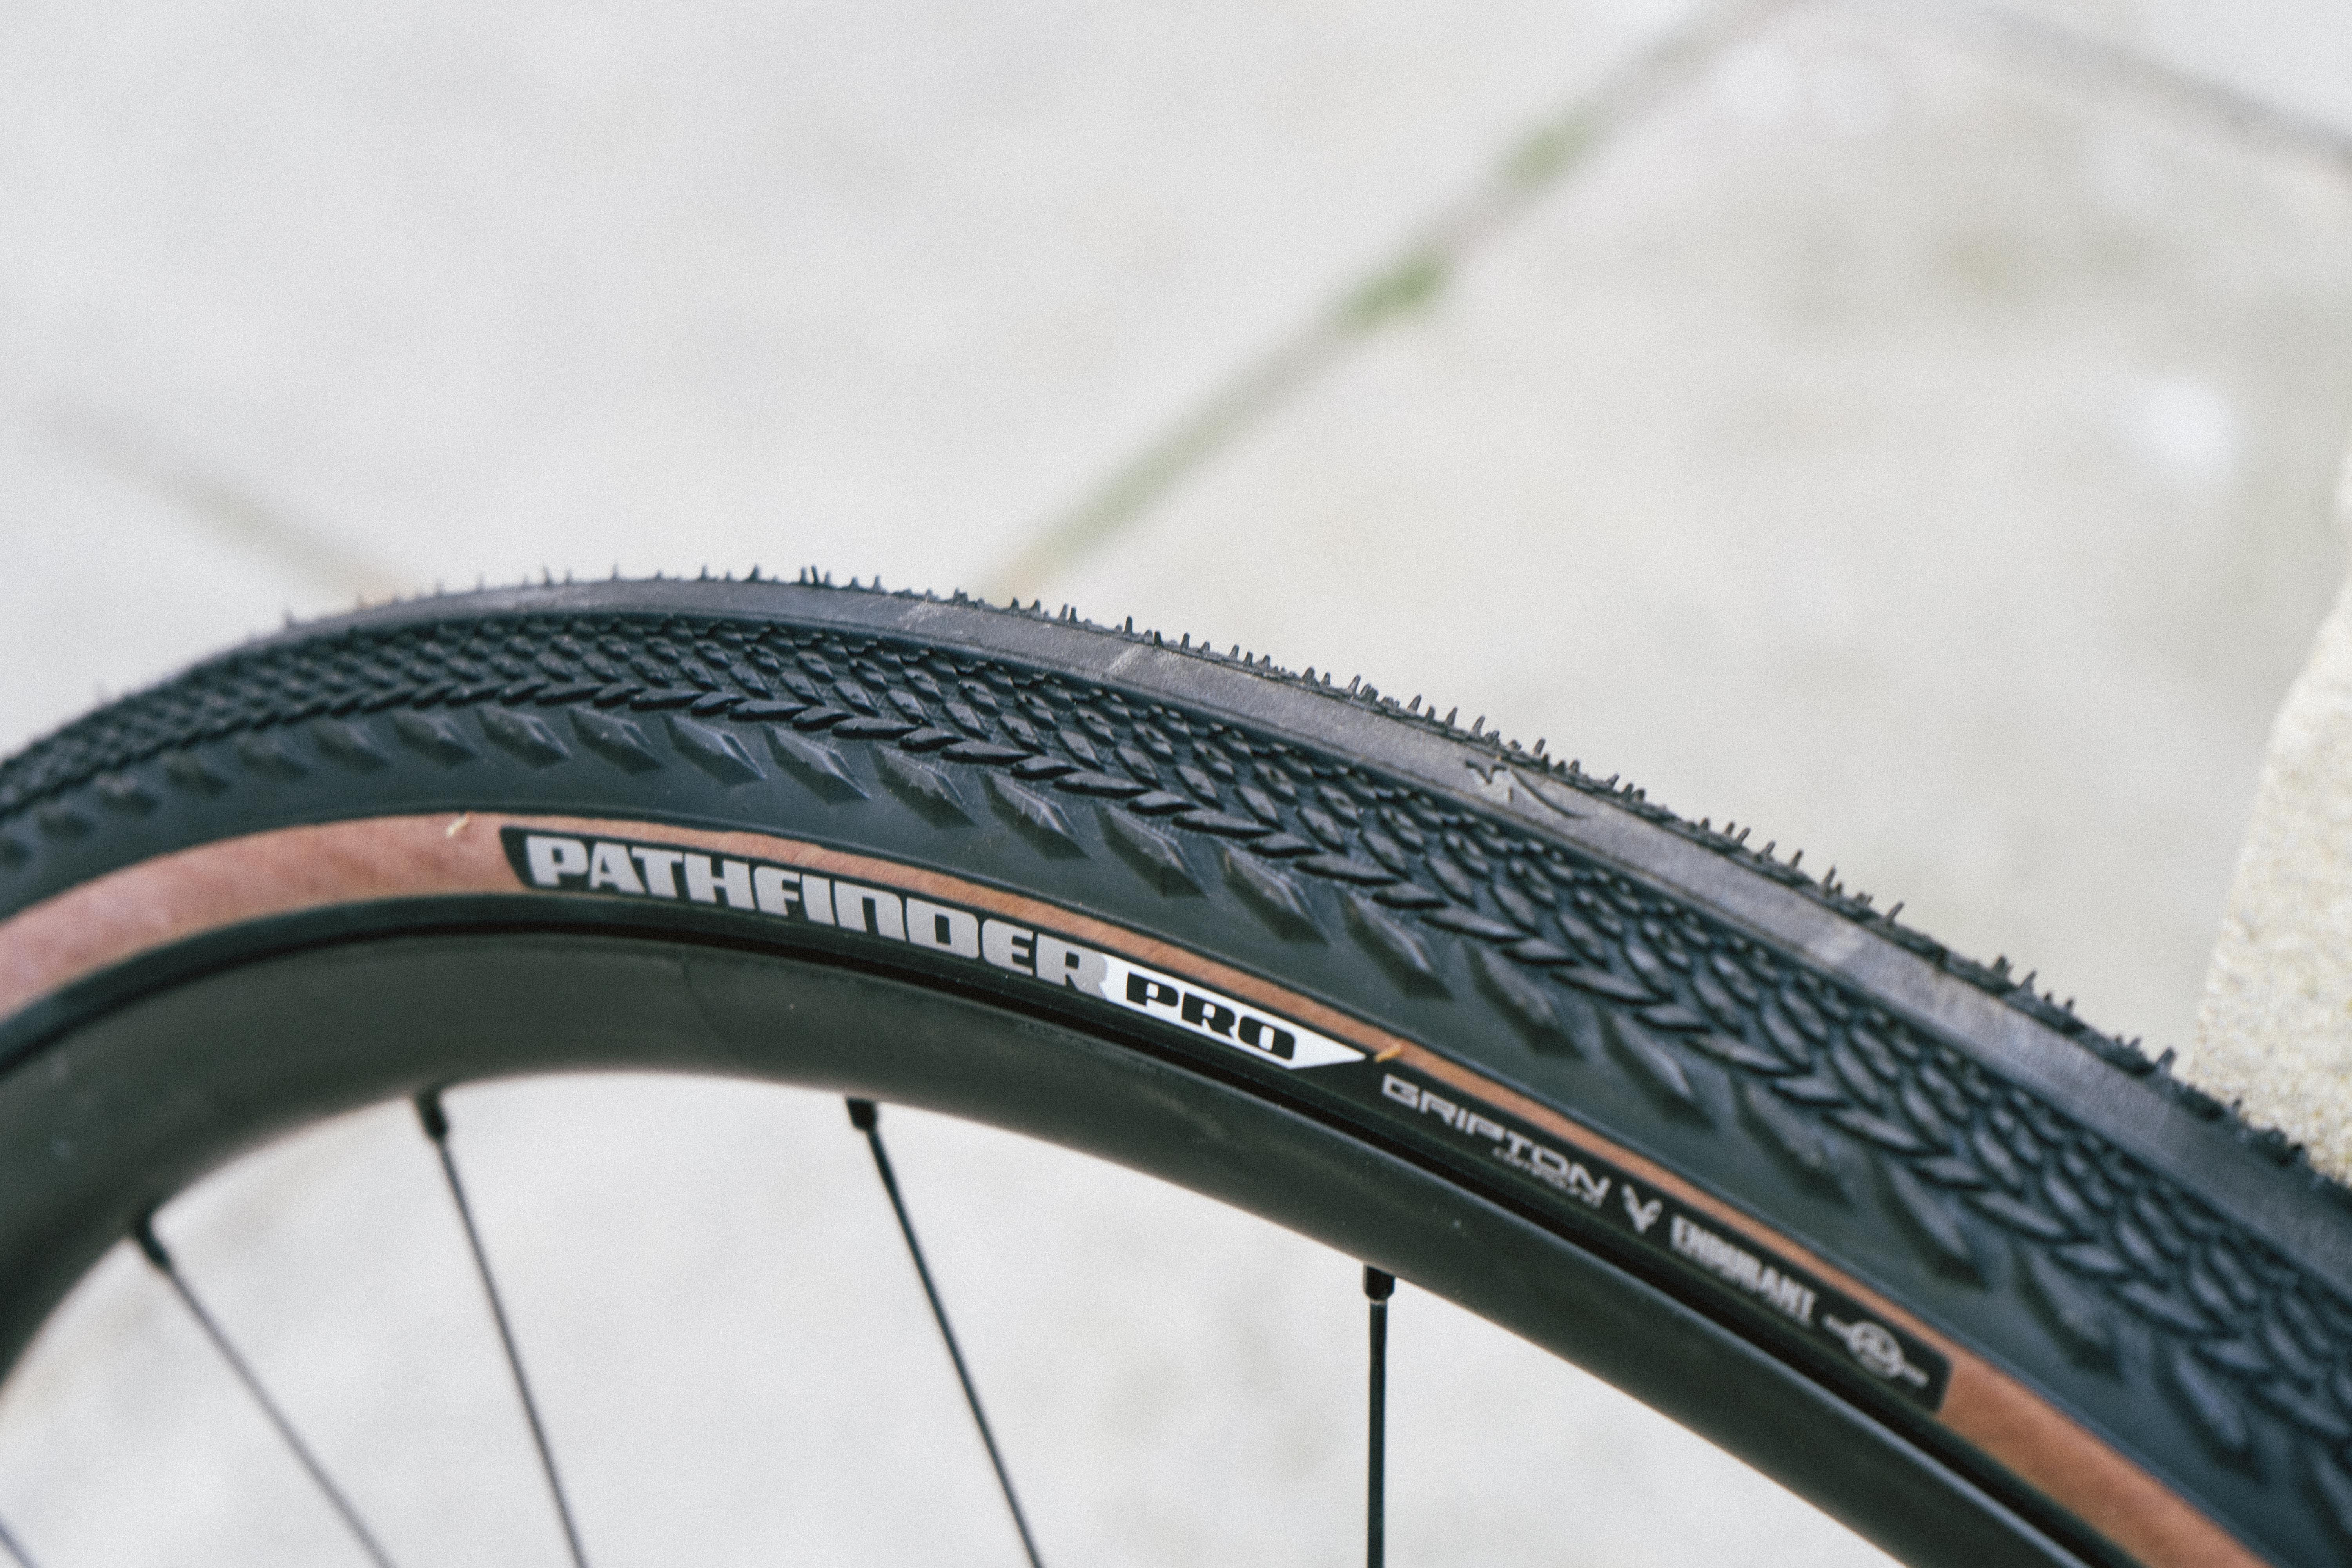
640, 1003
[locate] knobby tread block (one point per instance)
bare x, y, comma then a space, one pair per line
618, 740
435, 736
930, 791
819, 768
1277, 899
1156, 856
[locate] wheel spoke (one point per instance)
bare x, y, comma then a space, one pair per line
435, 1121
16, 1549
866, 1117
152, 1247
1378, 1288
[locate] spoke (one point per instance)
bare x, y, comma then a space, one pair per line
152, 1247
866, 1117
436, 1127
1378, 1289
15, 1550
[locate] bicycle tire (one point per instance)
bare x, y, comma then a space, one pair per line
1984, 1283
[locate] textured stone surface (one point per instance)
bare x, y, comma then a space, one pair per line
2275, 1034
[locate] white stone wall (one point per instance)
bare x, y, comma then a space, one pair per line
2275, 1034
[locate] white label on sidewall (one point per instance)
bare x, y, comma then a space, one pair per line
1215, 1016
635, 870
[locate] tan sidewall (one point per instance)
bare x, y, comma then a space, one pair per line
174, 897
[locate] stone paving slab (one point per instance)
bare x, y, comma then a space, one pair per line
871, 287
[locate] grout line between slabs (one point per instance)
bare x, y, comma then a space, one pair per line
1560, 146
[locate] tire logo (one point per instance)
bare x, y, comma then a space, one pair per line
780, 893
1878, 1348
1701, 1248
1642, 1215
1514, 1148
635, 870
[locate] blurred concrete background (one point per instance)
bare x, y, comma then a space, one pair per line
1908, 428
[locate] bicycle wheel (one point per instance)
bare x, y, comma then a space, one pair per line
1908, 1236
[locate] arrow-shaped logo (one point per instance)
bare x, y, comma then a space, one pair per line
1642, 1215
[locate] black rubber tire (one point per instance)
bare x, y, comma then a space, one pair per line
1979, 1280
